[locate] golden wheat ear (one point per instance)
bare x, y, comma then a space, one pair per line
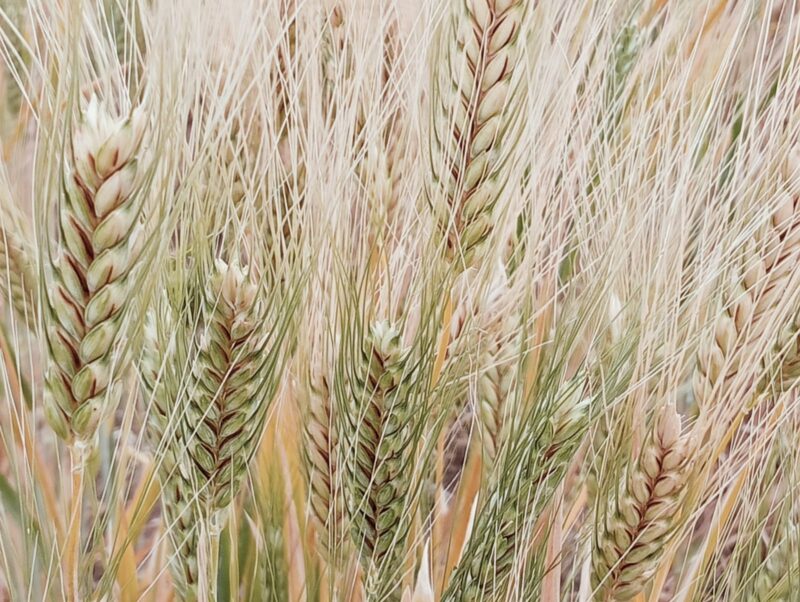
473, 104
90, 282
642, 513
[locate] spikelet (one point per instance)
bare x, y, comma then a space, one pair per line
637, 520
91, 280
375, 438
17, 269
472, 104
766, 277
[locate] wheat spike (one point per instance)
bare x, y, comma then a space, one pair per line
375, 441
497, 379
226, 408
773, 580
766, 277
641, 514
91, 280
529, 469
17, 268
471, 115
13, 71
787, 223
321, 451
206, 430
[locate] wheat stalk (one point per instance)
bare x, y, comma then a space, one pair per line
91, 280
472, 105
639, 517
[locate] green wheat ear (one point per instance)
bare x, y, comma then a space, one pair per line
378, 449
211, 378
90, 282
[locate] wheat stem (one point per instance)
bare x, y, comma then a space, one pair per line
78, 459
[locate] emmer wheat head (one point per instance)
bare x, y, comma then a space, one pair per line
92, 278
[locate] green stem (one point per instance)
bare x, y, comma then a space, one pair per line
78, 457
209, 540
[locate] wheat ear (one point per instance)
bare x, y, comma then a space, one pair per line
773, 581
765, 279
787, 347
91, 280
212, 423
528, 470
376, 446
497, 378
17, 269
642, 514
471, 117
322, 463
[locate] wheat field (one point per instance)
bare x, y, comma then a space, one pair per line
376, 300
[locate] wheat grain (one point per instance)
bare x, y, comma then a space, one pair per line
639, 517
91, 279
472, 104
